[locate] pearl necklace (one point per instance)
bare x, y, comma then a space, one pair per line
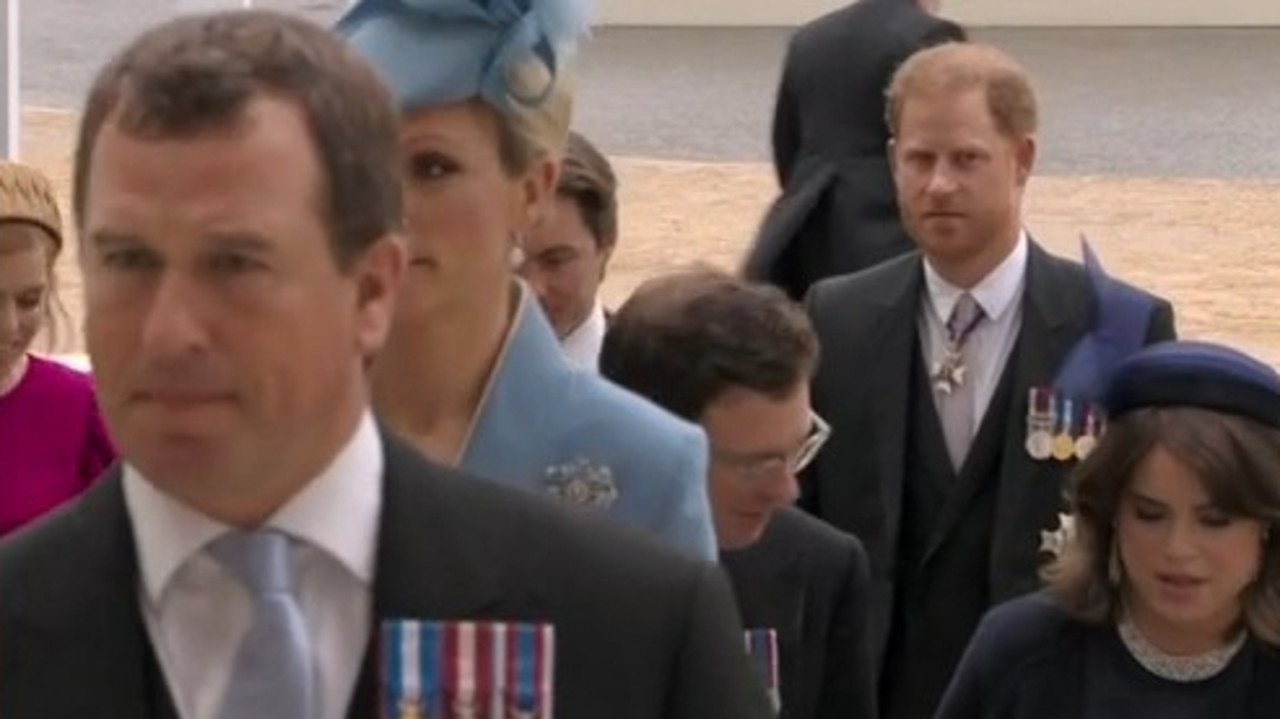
1175, 668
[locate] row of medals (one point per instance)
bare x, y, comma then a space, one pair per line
414, 710
1052, 425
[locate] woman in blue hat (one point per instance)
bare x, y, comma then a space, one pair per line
473, 373
1164, 595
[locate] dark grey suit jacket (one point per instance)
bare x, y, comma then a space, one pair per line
640, 631
866, 323
838, 210
810, 583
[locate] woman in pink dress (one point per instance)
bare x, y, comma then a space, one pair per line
52, 440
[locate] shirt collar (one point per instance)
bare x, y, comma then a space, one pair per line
337, 512
995, 293
583, 344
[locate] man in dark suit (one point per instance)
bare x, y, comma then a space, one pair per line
944, 372
567, 254
736, 358
264, 550
837, 212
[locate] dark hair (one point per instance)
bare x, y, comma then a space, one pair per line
1238, 459
199, 73
587, 180
683, 339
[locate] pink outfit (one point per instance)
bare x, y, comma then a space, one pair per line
53, 443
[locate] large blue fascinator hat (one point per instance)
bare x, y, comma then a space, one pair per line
436, 52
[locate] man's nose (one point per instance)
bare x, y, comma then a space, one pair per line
173, 325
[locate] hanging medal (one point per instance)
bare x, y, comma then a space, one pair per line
411, 710
1041, 412
466, 678
762, 648
1088, 439
1064, 443
530, 668
408, 654
948, 374
467, 670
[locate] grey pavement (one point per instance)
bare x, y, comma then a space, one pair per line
1133, 102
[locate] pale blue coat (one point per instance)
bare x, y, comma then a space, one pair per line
548, 426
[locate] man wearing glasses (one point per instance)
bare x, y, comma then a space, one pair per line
737, 358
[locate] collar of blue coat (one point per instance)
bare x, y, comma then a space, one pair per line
1121, 318
439, 52
526, 383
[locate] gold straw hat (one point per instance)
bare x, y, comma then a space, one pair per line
27, 196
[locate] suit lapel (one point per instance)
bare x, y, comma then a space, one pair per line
1056, 312
108, 644
767, 578
890, 344
425, 568
531, 372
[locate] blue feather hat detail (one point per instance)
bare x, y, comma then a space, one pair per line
1119, 330
438, 52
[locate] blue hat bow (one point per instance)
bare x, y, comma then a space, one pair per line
434, 52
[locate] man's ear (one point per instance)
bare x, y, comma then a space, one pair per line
379, 273
1025, 154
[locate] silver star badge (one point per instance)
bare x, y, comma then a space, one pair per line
1055, 542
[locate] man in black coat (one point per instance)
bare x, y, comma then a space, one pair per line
837, 211
736, 357
957, 378
264, 550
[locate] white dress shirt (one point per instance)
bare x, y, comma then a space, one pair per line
583, 344
196, 613
987, 349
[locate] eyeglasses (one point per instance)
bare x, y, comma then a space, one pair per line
755, 468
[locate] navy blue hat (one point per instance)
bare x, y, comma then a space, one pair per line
437, 52
1195, 374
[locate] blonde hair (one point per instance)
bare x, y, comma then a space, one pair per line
29, 217
957, 67
27, 196
532, 132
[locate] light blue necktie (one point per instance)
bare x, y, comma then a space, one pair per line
273, 675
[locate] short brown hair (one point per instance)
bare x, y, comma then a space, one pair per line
197, 73
955, 67
683, 339
1238, 459
587, 180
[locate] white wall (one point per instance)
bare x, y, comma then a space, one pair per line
972, 12
1115, 12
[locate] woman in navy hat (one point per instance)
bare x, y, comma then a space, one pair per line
473, 373
1164, 596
